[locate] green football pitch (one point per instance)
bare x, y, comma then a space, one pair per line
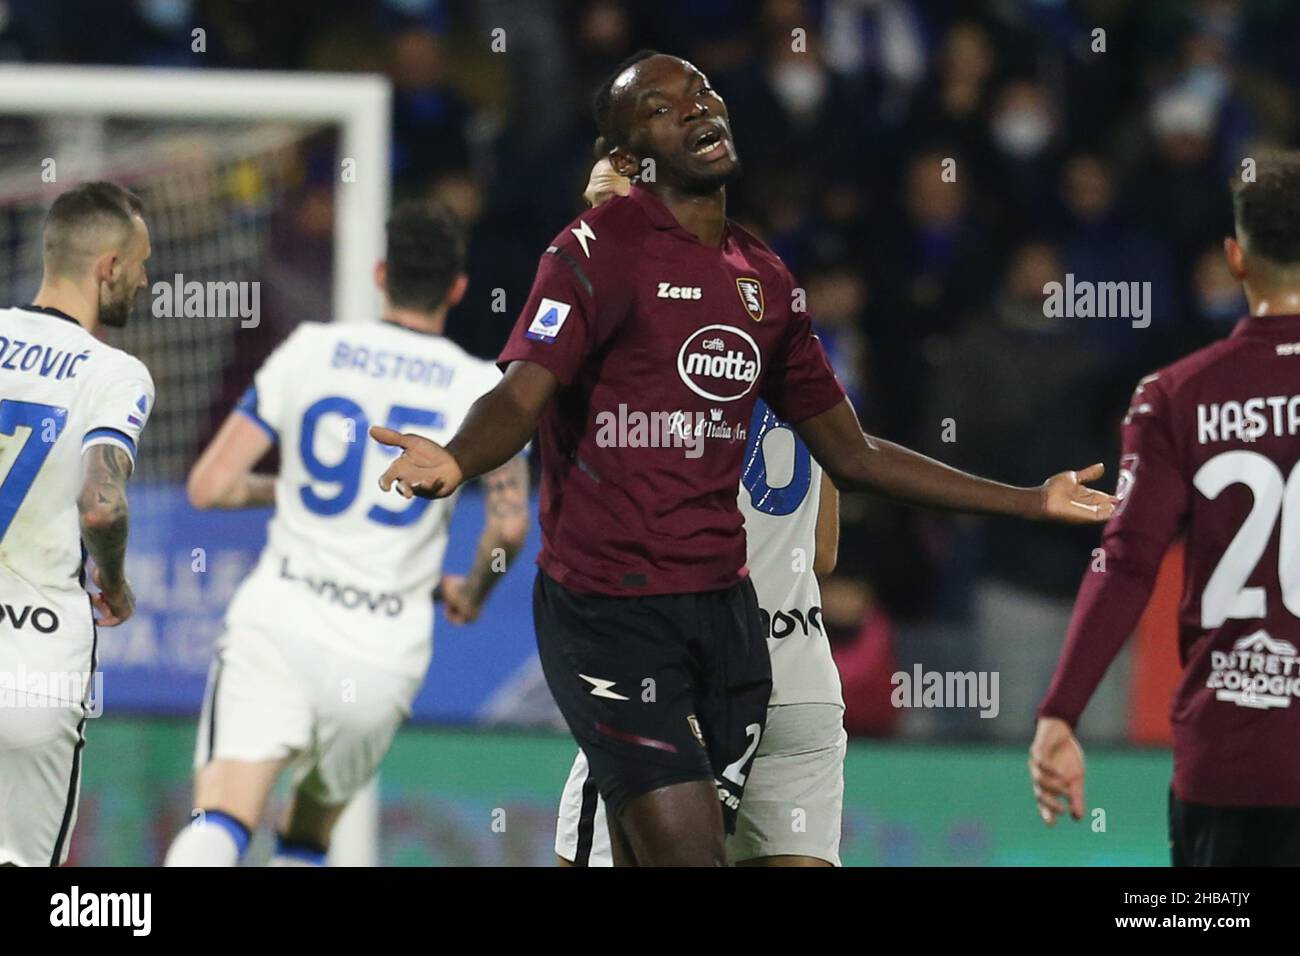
454, 797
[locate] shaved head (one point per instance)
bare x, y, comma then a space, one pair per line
96, 239
85, 223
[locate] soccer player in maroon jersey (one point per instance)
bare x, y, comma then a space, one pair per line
653, 326
1210, 449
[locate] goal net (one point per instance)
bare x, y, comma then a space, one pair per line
211, 195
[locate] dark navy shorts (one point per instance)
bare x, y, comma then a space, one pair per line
660, 689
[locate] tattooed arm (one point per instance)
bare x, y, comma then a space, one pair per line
102, 507
504, 533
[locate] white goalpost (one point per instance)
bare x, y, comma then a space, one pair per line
359, 105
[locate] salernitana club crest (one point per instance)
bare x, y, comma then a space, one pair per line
751, 296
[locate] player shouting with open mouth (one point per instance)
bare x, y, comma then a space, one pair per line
655, 308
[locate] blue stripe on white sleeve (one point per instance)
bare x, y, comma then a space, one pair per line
100, 436
248, 405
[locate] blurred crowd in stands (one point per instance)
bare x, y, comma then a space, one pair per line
1093, 138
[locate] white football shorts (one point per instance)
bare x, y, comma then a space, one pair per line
280, 696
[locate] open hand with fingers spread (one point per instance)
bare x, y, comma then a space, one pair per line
424, 468
1056, 769
1066, 497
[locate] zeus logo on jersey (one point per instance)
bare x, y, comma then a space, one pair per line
669, 291
720, 363
548, 320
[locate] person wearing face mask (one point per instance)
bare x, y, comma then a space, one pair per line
809, 116
952, 106
1022, 121
1022, 129
162, 34
799, 85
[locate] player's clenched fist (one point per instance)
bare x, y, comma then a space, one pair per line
456, 601
1067, 497
114, 604
423, 469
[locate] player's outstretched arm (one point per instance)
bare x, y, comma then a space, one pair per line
860, 463
223, 476
103, 514
496, 429
505, 530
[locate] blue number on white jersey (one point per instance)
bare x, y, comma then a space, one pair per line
766, 499
22, 451
347, 472
399, 417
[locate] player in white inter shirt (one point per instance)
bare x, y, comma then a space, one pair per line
328, 640
71, 412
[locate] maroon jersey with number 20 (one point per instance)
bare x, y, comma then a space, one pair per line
661, 346
1211, 446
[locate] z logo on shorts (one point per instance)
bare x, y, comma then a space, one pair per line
601, 688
